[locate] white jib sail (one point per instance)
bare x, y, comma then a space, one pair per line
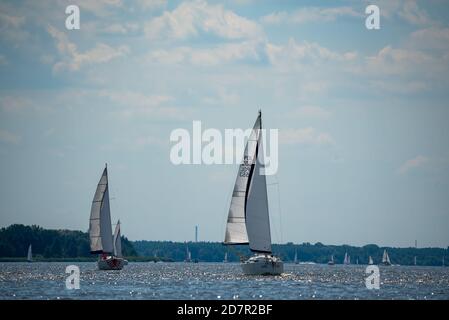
100, 229
257, 216
235, 227
370, 260
117, 241
30, 254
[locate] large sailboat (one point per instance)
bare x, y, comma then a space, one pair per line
29, 254
248, 218
102, 242
386, 259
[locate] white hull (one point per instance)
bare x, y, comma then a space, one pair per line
111, 263
263, 265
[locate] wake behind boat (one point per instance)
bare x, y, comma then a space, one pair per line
248, 218
102, 241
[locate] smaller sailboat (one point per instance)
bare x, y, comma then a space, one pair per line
331, 262
386, 259
296, 258
188, 254
443, 261
29, 254
370, 261
347, 259
414, 260
225, 260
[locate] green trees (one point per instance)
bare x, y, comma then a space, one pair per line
15, 239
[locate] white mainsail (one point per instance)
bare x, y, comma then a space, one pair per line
386, 258
117, 241
370, 260
248, 217
100, 229
225, 257
296, 257
30, 254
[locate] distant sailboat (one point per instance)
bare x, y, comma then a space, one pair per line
443, 261
188, 254
414, 260
331, 262
225, 260
248, 218
370, 260
386, 259
347, 259
102, 241
296, 258
29, 254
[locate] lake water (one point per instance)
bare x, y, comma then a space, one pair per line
219, 281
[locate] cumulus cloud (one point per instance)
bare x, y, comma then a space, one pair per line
410, 164
219, 54
310, 112
190, 19
295, 54
73, 60
307, 136
310, 14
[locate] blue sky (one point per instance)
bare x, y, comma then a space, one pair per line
363, 115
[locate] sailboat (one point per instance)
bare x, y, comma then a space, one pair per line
370, 260
225, 257
296, 258
102, 242
248, 218
443, 261
29, 254
386, 259
331, 262
347, 259
188, 254
414, 260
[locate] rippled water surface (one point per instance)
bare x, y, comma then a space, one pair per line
219, 281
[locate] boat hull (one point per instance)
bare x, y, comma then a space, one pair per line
111, 263
263, 265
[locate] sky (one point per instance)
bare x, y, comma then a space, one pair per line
362, 115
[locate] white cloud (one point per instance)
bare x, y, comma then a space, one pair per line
11, 27
295, 54
407, 10
8, 137
99, 7
72, 60
406, 62
191, 18
310, 14
416, 162
219, 54
430, 38
310, 112
223, 98
152, 4
135, 104
308, 136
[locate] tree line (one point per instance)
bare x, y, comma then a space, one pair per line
15, 239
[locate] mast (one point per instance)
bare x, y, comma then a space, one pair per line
100, 228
